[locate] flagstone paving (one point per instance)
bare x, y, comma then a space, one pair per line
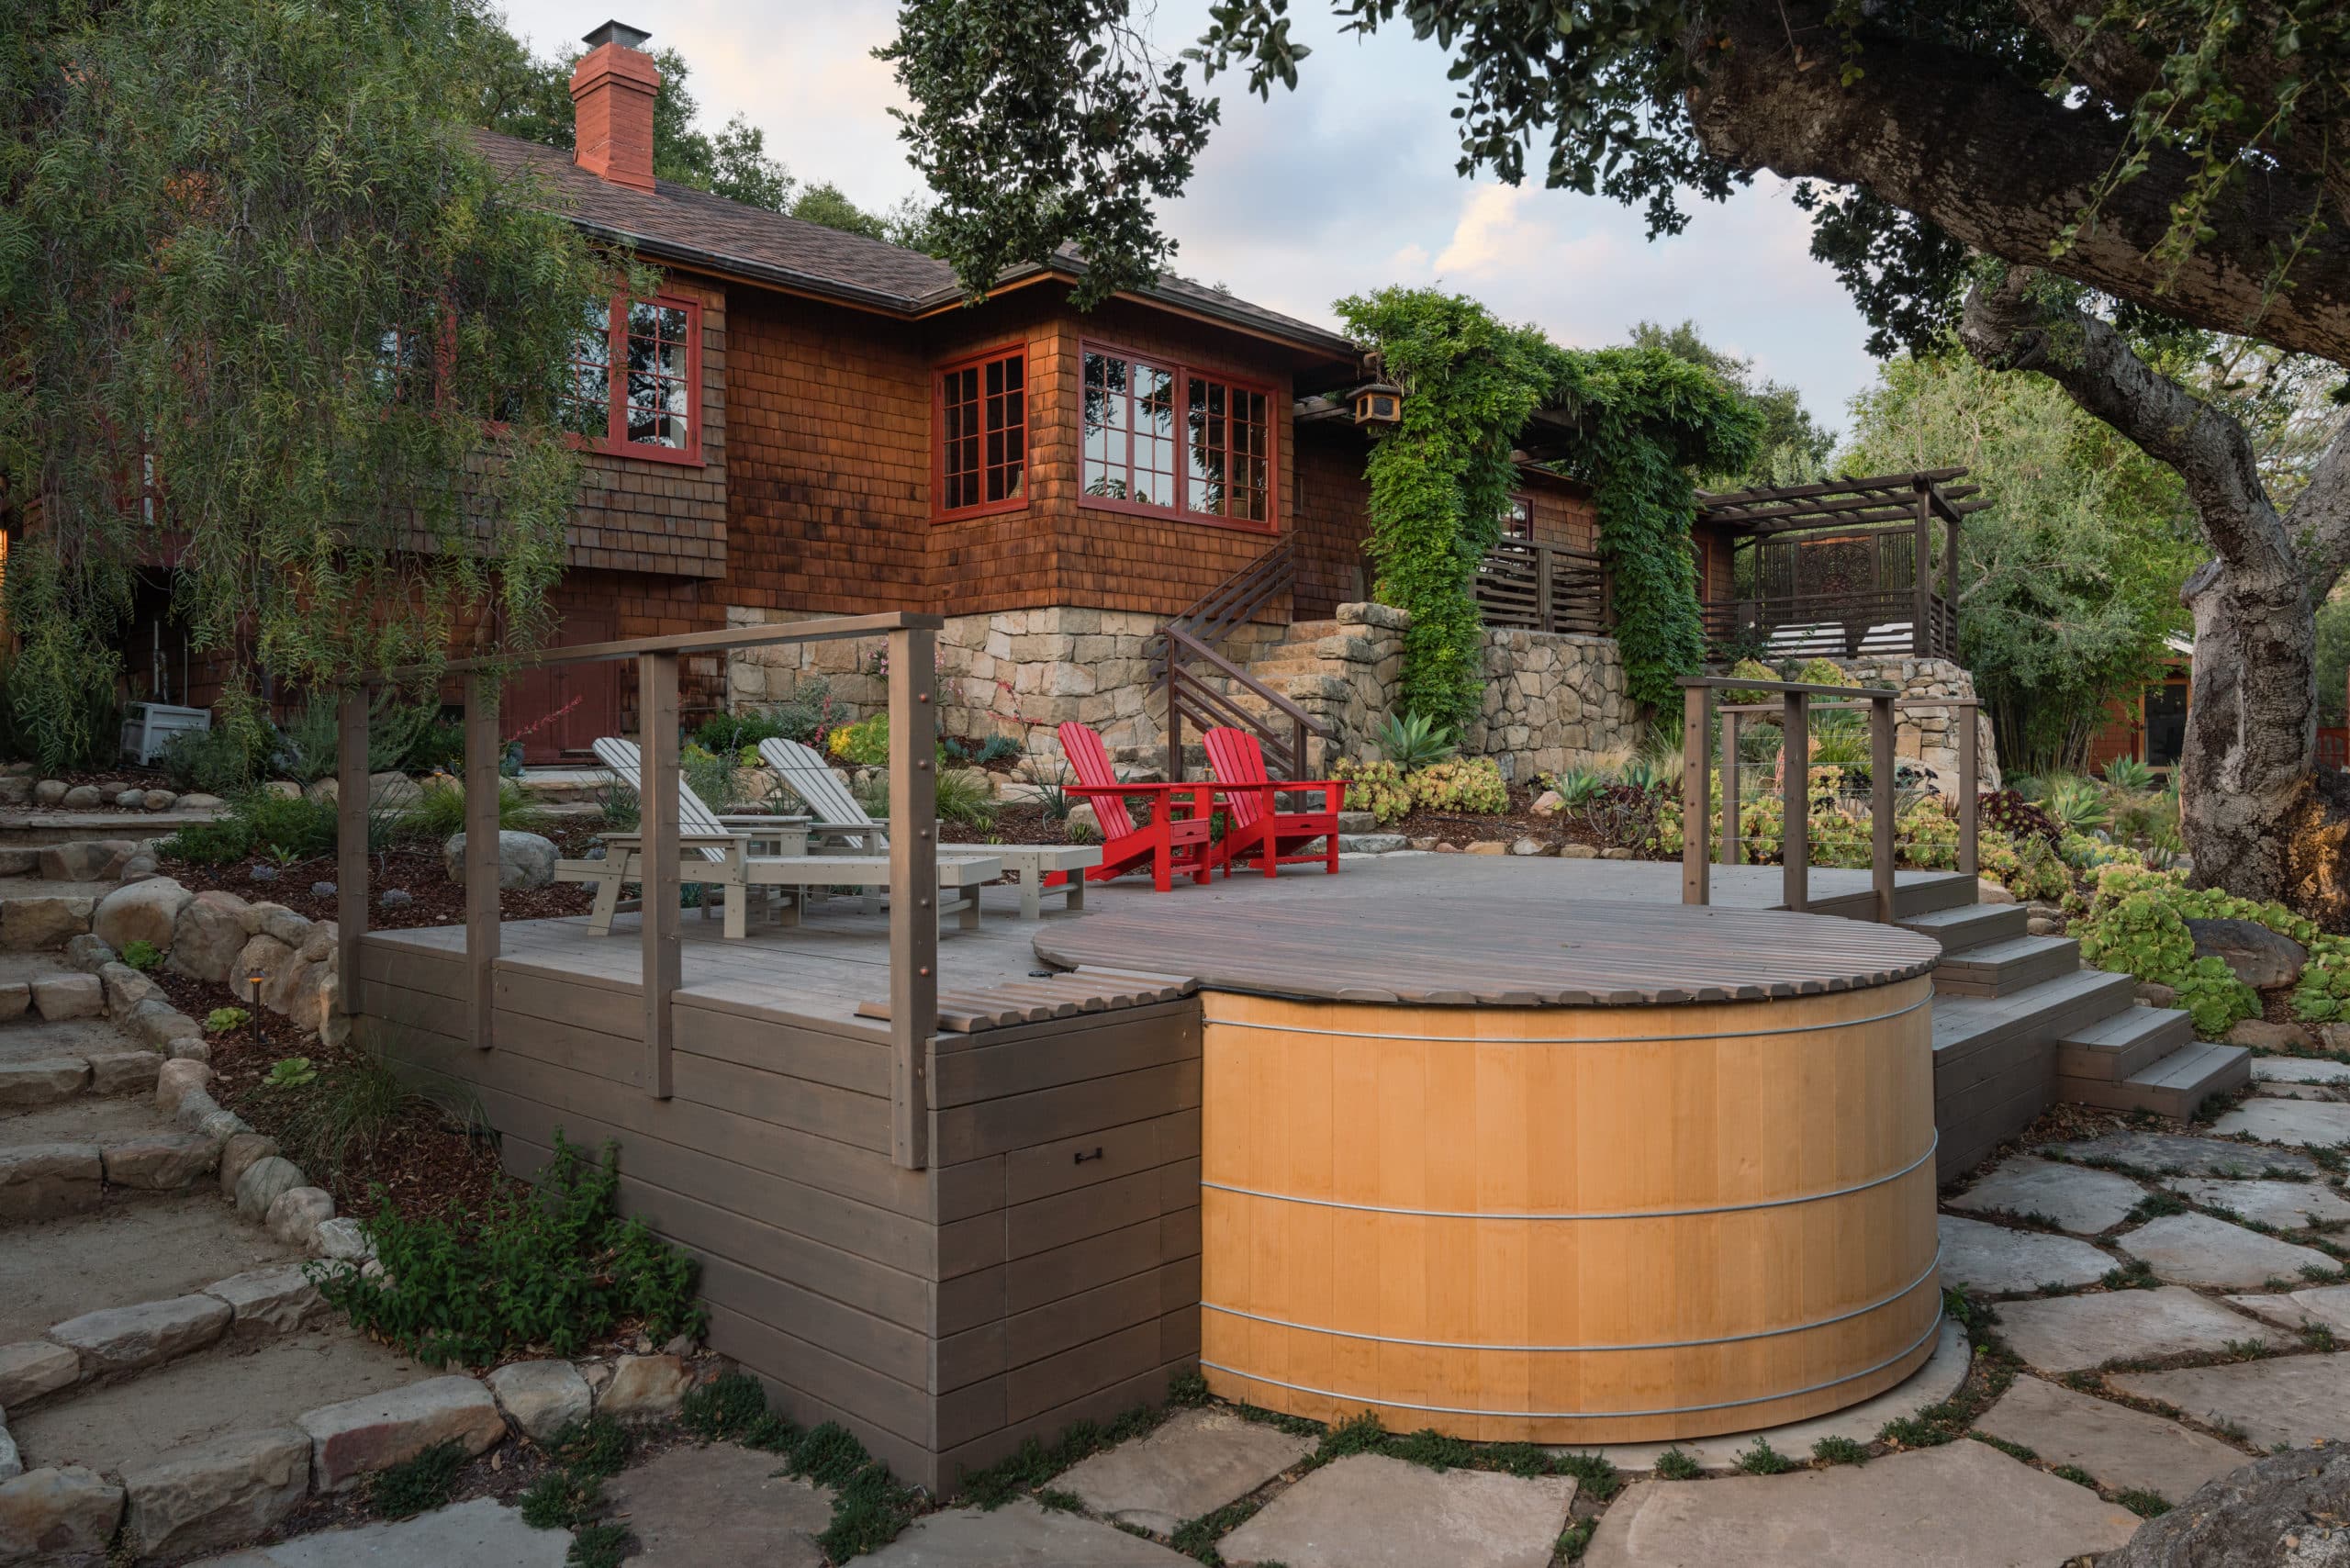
2281, 1309
694, 1507
1370, 1511
1962, 1506
2288, 1121
2081, 1200
479, 1534
2182, 1154
2197, 1249
2329, 1304
2064, 1334
2125, 1449
2299, 1069
1018, 1535
1998, 1262
2295, 1400
1194, 1464
2288, 1205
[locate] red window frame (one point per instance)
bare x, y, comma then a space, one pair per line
1517, 518
1178, 466
615, 442
977, 365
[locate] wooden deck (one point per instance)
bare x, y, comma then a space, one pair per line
1044, 1267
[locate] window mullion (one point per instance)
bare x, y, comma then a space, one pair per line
616, 373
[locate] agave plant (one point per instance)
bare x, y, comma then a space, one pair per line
2129, 773
1413, 741
2076, 805
1577, 787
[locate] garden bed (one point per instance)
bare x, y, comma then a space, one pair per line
414, 869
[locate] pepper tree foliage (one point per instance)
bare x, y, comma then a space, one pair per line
282, 342
1440, 481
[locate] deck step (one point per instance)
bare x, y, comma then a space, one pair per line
2116, 1048
2174, 1086
1967, 925
1993, 1057
2002, 969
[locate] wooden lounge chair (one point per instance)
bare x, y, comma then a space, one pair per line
736, 853
1255, 824
840, 821
1178, 837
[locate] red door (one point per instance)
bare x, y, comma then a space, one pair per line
585, 698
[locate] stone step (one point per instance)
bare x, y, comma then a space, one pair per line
135, 1247
1968, 925
2115, 1049
2004, 967
60, 1158
2174, 1086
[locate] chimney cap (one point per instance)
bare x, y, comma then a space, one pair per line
616, 32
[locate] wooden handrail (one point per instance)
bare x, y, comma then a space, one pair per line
913, 641
1232, 601
1184, 689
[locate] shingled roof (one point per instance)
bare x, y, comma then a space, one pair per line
679, 223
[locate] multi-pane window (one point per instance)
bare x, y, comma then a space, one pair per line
983, 434
1161, 438
1518, 519
629, 386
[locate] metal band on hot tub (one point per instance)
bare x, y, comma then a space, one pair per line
1363, 1399
1783, 1029
1878, 1304
1931, 1144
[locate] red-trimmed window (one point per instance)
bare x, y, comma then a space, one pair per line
1518, 519
982, 442
1162, 439
635, 366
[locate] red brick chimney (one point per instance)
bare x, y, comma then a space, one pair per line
612, 88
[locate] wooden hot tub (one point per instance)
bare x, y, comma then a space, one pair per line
1629, 1172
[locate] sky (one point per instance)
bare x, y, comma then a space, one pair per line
1346, 184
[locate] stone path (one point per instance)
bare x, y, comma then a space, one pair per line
479, 1534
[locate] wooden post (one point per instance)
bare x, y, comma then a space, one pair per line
1970, 789
1174, 717
1731, 849
1881, 767
482, 913
1795, 796
1921, 578
1543, 619
1298, 766
351, 843
1697, 834
913, 887
656, 793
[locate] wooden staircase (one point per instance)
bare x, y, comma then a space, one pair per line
2019, 1024
1200, 686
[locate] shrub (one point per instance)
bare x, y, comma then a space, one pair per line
220, 1020
556, 1266
1471, 786
730, 734
2029, 868
806, 715
439, 747
2135, 922
998, 748
963, 797
1751, 669
1378, 788
1413, 741
290, 827
218, 761
2083, 852
2011, 814
142, 955
865, 743
415, 1485
1576, 787
2076, 805
222, 841
439, 813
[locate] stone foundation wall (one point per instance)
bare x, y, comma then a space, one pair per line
1929, 736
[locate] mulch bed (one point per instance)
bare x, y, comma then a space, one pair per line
414, 869
425, 1161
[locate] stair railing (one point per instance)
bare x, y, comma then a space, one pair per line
1232, 601
1189, 696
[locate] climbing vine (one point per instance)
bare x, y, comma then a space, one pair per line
1440, 481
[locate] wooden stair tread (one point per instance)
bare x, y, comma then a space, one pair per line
1960, 1020
2191, 1065
1968, 925
2010, 950
2126, 1029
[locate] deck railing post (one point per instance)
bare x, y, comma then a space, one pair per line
663, 968
913, 887
1795, 797
1298, 767
1697, 834
482, 913
1970, 789
352, 805
1544, 619
1174, 713
1881, 768
1731, 847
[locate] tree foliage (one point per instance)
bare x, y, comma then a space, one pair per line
2068, 583
1792, 447
274, 328
1440, 481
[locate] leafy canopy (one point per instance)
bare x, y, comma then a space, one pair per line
1791, 447
264, 308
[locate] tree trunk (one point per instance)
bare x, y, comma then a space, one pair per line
2259, 820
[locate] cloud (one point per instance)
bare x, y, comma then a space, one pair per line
1482, 239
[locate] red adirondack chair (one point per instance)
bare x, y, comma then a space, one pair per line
1254, 822
1176, 838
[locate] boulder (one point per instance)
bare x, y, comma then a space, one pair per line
87, 952
123, 1072
324, 792
645, 1385
207, 934
393, 789
50, 792
277, 920
263, 955
375, 1431
68, 996
159, 800
2290, 1510
60, 1514
284, 788
139, 912
290, 986
541, 1397
263, 1181
15, 997
40, 1180
125, 989
29, 923
216, 1491
166, 1028
33, 1368
1989, 892
15, 790
269, 1301
343, 1240
131, 800
162, 1161
175, 1081
239, 1155
19, 862
42, 1080
196, 800
296, 1215
85, 859
524, 860
2154, 993
2261, 1035
319, 946
83, 797
2259, 956
124, 1338
1549, 803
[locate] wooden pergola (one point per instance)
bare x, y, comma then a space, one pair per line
1840, 568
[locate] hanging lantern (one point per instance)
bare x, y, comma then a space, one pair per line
1378, 403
